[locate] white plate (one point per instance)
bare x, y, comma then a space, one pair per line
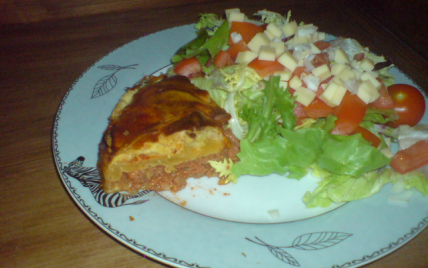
225, 235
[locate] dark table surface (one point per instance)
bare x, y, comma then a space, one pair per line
40, 225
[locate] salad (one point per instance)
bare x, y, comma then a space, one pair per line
301, 103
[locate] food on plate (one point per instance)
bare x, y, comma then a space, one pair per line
163, 131
301, 101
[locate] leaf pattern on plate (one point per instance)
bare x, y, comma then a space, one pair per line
108, 82
311, 241
320, 240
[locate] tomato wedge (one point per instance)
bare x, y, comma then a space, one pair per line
223, 59
190, 67
317, 109
247, 30
412, 158
234, 49
350, 113
368, 136
265, 67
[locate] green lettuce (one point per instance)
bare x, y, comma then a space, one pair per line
344, 188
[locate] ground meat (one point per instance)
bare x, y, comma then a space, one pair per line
157, 179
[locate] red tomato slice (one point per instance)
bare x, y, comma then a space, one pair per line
317, 109
385, 100
368, 136
247, 30
321, 45
265, 67
412, 158
223, 59
234, 49
190, 67
350, 113
409, 104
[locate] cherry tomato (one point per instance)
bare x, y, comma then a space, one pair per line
409, 104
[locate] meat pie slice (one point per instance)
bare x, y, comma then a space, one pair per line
163, 131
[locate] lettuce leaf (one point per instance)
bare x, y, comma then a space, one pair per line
350, 155
344, 188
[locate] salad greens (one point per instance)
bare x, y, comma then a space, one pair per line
349, 167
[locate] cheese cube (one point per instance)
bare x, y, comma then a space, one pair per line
274, 30
279, 47
258, 40
338, 67
367, 92
304, 95
295, 82
321, 36
299, 40
246, 56
333, 94
231, 10
369, 77
307, 29
314, 48
283, 84
289, 28
267, 53
236, 16
301, 54
323, 72
340, 56
288, 60
367, 64
284, 75
345, 74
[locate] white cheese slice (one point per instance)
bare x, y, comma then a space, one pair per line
314, 48
279, 47
323, 72
295, 82
231, 10
367, 92
338, 67
267, 53
333, 94
274, 30
367, 64
258, 40
236, 16
246, 56
367, 76
288, 60
304, 95
283, 84
289, 28
284, 75
340, 56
